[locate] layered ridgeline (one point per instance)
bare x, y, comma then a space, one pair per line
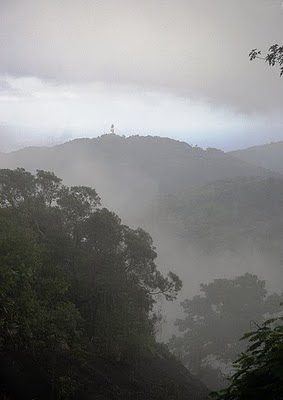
131, 173
77, 291
136, 175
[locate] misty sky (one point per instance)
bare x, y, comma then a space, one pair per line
177, 68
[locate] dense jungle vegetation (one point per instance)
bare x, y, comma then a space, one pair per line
77, 286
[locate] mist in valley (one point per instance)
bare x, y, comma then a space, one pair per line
141, 200
126, 187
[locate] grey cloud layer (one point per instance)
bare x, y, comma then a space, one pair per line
195, 48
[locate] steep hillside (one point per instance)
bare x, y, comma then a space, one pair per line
267, 156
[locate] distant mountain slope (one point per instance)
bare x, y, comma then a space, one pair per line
129, 173
267, 156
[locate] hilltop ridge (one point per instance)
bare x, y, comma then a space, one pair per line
173, 165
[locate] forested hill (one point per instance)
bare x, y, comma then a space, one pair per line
130, 173
77, 291
267, 156
170, 164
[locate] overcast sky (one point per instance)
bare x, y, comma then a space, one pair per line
177, 68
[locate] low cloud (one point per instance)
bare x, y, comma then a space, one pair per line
190, 48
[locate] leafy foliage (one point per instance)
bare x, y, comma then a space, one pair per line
73, 278
216, 320
273, 57
259, 371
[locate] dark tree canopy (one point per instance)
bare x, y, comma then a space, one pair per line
73, 278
